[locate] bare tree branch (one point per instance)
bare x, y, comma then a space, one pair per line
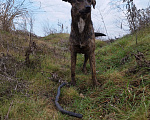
11, 9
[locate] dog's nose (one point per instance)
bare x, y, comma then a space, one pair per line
88, 7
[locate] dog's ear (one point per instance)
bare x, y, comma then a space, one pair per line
94, 3
67, 1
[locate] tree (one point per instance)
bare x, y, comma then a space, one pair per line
137, 18
9, 10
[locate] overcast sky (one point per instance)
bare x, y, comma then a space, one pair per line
105, 14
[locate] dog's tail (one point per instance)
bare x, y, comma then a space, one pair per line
99, 34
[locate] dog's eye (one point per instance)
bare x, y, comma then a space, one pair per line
89, 1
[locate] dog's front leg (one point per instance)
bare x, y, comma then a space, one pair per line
93, 68
84, 64
73, 66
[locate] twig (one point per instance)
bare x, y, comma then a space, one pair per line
103, 21
6, 118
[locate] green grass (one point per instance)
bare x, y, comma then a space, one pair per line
124, 93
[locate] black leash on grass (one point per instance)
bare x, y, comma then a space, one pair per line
60, 108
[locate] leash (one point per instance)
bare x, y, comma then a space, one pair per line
60, 108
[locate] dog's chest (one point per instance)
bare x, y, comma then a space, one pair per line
81, 25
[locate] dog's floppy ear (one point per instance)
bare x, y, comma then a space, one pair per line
67, 1
94, 3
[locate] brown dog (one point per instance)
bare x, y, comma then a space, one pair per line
82, 36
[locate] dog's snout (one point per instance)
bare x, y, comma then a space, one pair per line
85, 10
88, 7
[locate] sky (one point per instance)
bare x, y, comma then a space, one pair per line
106, 18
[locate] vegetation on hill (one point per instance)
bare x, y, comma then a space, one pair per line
27, 91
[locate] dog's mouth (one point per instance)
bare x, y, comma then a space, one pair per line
85, 11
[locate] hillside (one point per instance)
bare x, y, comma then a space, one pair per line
28, 88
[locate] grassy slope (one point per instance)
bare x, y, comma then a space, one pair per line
124, 92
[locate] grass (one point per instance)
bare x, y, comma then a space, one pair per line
124, 93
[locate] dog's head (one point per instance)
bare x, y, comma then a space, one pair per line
81, 7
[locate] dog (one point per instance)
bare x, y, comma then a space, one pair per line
82, 36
